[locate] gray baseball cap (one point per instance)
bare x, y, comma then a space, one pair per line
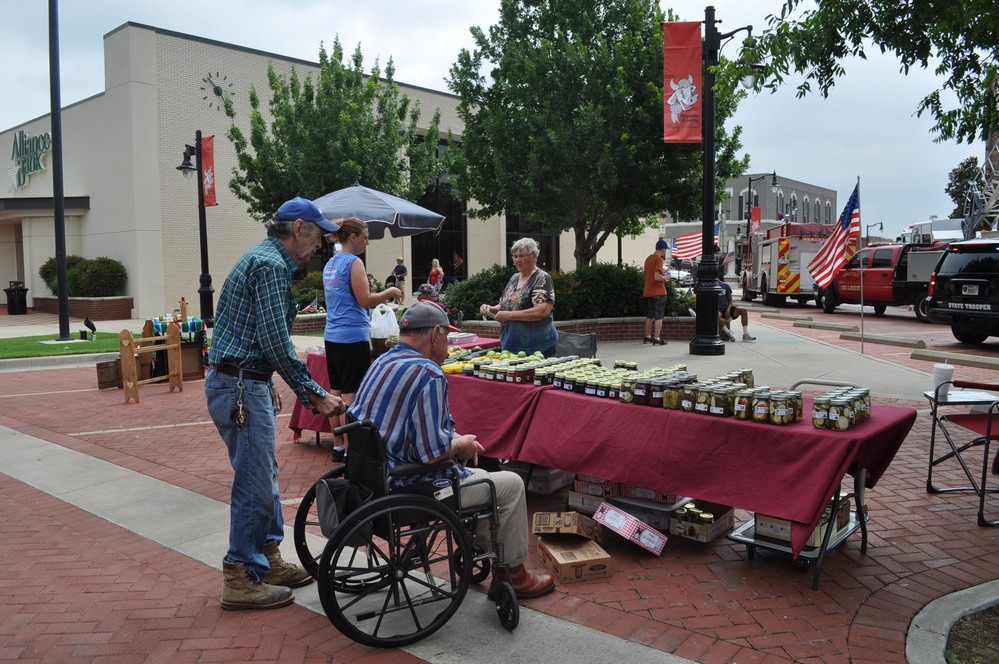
423, 315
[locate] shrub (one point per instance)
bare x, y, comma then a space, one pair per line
100, 277
486, 286
308, 287
51, 278
603, 290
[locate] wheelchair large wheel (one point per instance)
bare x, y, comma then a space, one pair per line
307, 525
410, 582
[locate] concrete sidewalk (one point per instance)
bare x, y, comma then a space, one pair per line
103, 558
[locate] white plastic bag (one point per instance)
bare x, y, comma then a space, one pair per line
383, 322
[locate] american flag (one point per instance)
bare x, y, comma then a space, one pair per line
841, 245
456, 260
311, 307
689, 245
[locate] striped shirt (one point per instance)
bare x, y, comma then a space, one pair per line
254, 318
405, 395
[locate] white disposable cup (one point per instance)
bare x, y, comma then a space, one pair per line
942, 373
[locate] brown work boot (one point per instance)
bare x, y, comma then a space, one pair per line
282, 573
527, 584
241, 591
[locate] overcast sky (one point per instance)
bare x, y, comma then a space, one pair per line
867, 128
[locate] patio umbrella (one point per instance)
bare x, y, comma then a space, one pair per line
379, 210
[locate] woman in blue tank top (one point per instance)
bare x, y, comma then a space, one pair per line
348, 323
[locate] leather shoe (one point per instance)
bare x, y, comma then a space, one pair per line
527, 584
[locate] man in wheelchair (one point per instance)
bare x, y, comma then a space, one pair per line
405, 394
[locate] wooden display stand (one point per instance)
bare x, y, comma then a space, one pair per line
131, 347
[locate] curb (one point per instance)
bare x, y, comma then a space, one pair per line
926, 642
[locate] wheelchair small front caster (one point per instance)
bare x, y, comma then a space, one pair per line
507, 607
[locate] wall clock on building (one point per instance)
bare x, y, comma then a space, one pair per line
216, 88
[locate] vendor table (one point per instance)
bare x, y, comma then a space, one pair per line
301, 418
790, 472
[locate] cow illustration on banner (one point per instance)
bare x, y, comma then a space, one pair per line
682, 82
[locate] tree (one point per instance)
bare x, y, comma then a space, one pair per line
568, 130
959, 182
958, 38
344, 128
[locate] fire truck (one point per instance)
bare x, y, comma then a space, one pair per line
774, 264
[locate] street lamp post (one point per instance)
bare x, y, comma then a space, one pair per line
706, 340
205, 291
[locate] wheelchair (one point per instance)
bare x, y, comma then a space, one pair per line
398, 561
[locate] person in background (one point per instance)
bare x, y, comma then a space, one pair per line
727, 311
401, 272
405, 395
250, 341
655, 294
436, 278
426, 293
348, 322
525, 307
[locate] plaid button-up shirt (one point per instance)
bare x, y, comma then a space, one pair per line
254, 318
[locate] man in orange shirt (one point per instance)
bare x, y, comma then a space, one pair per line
655, 294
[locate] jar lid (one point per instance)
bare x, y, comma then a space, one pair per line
706, 516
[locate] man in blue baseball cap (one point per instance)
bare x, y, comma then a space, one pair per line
252, 340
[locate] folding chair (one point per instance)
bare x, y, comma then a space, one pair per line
977, 424
573, 343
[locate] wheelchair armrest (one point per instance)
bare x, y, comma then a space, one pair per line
410, 469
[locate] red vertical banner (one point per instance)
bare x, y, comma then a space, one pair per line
756, 219
208, 169
682, 75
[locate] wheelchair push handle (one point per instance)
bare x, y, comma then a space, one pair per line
352, 426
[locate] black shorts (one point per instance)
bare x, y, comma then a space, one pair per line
347, 364
655, 307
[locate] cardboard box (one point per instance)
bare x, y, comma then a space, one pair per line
632, 491
630, 528
705, 532
779, 530
544, 480
584, 502
603, 489
574, 558
566, 523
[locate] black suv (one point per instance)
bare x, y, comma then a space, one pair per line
964, 290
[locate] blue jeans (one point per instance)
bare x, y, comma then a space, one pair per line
255, 507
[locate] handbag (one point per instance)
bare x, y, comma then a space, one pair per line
336, 498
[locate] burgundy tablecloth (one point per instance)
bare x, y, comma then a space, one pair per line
316, 362
499, 414
789, 472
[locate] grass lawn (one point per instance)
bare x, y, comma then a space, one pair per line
18, 347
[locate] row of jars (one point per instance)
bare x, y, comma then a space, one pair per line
768, 406
841, 408
618, 383
522, 370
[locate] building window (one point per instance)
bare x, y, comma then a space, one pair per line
742, 207
780, 202
548, 243
804, 211
828, 212
818, 211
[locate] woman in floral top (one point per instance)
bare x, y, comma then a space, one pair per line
525, 308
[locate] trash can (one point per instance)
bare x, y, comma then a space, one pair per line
17, 298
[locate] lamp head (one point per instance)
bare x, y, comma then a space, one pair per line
186, 167
774, 185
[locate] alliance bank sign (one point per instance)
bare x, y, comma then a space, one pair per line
28, 156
